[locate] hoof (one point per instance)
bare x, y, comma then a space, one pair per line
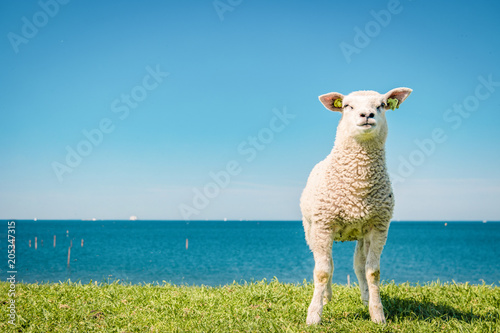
377, 315
313, 319
379, 319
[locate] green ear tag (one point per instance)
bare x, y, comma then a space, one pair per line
393, 103
337, 103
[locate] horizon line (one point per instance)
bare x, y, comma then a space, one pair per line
228, 220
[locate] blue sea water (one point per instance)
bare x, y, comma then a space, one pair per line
220, 252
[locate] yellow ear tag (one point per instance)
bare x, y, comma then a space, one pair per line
337, 103
393, 103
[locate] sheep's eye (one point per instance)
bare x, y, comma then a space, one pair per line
347, 106
382, 105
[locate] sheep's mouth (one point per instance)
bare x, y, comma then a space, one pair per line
366, 125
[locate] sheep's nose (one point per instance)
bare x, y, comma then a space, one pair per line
370, 115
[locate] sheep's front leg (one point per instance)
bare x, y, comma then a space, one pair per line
323, 270
359, 269
375, 242
328, 292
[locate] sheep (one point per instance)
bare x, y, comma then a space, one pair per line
348, 196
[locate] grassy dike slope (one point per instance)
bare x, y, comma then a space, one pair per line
253, 307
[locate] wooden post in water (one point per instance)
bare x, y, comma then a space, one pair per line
30, 242
69, 251
36, 244
41, 241
187, 243
69, 254
54, 240
348, 280
82, 242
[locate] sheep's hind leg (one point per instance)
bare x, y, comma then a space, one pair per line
376, 244
359, 269
323, 270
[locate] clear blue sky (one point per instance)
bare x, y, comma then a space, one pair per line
86, 65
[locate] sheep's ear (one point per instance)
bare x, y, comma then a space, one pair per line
332, 101
396, 96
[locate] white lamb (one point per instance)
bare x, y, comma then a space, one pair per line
348, 196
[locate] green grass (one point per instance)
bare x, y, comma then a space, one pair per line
253, 307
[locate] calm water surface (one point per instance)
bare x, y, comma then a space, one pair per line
222, 252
